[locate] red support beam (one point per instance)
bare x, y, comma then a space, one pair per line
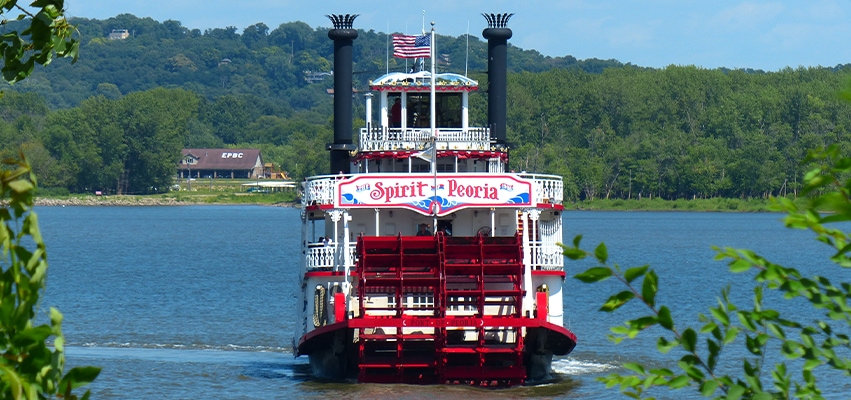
541, 300
339, 307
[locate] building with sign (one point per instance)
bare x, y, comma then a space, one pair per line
220, 163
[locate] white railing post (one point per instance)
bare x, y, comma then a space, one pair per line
383, 138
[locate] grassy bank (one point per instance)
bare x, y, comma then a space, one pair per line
230, 198
168, 199
232, 191
717, 204
219, 191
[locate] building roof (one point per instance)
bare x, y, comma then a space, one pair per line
222, 159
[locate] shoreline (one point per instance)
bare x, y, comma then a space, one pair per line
682, 205
131, 201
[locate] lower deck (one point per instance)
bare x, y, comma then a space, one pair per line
426, 309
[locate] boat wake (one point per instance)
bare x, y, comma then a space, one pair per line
574, 367
172, 346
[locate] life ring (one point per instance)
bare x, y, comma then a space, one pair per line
320, 312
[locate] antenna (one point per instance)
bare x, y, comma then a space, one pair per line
387, 51
421, 67
406, 32
467, 51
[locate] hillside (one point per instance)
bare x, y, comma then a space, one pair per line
117, 119
289, 64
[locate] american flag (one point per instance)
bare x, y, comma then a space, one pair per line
407, 46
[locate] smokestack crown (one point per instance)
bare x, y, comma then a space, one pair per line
497, 28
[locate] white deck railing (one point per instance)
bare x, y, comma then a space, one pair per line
389, 139
319, 190
329, 257
548, 189
545, 257
320, 257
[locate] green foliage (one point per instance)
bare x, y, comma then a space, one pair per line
128, 145
615, 132
269, 62
47, 34
675, 133
808, 343
29, 369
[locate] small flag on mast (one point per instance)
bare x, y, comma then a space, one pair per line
408, 46
426, 154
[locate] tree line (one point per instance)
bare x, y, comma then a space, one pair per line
677, 132
271, 63
117, 119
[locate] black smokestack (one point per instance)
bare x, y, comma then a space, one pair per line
497, 35
343, 35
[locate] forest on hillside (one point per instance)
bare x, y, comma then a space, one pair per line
117, 119
280, 64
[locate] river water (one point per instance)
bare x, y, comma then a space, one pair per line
196, 302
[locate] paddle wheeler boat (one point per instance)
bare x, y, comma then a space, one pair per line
425, 260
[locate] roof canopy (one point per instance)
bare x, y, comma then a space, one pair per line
421, 81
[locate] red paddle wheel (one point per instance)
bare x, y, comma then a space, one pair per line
440, 310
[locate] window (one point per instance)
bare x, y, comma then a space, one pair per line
420, 300
447, 107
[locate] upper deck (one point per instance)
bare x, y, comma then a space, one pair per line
388, 139
410, 116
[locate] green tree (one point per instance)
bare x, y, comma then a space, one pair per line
29, 368
154, 125
804, 346
72, 141
47, 34
304, 154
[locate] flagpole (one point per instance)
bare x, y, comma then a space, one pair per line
433, 122
433, 105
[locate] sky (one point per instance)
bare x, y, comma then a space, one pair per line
765, 35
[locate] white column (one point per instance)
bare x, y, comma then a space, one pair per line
368, 97
347, 256
385, 119
465, 110
404, 122
527, 265
336, 215
534, 244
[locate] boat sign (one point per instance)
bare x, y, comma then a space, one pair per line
426, 194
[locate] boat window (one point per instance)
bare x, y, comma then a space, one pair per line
421, 167
448, 108
445, 166
418, 110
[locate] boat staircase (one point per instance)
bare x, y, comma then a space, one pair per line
440, 309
